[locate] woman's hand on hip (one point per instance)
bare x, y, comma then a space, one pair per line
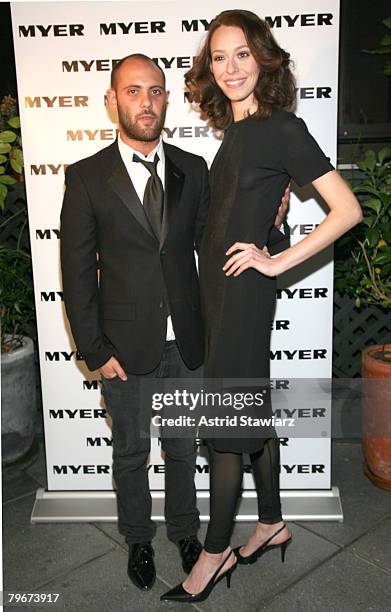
246, 255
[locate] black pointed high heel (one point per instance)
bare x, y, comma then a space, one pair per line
250, 559
178, 593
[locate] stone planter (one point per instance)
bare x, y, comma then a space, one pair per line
18, 390
376, 439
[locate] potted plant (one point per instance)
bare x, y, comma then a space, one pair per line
363, 271
18, 381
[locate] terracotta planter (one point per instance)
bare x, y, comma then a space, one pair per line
376, 440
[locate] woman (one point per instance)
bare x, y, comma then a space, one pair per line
243, 83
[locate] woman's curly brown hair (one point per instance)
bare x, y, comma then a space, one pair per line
276, 83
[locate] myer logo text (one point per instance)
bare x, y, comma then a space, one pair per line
298, 354
55, 101
304, 293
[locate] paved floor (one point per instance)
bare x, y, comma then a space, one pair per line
329, 566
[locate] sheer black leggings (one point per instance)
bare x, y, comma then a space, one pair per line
226, 474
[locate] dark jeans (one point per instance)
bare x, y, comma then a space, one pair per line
130, 455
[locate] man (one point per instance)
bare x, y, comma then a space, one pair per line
141, 205
147, 271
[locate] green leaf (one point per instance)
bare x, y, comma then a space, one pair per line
384, 152
370, 159
386, 199
6, 179
383, 171
386, 40
3, 159
5, 147
357, 302
2, 170
362, 166
367, 221
383, 257
366, 189
7, 136
3, 191
373, 204
19, 156
14, 122
15, 166
387, 22
387, 234
373, 236
379, 50
386, 270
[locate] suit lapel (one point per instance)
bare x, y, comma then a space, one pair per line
173, 179
121, 184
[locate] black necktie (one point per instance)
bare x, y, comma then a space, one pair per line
153, 195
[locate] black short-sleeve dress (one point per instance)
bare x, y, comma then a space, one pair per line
248, 177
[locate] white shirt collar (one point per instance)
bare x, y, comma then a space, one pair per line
127, 151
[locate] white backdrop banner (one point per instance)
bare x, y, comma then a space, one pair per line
64, 55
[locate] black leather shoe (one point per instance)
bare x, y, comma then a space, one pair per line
250, 559
178, 593
141, 567
190, 548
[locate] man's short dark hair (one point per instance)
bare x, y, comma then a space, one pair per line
140, 56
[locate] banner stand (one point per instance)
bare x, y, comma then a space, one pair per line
64, 119
100, 506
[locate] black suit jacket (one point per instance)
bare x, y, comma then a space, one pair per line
121, 309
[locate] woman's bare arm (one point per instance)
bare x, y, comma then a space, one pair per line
345, 213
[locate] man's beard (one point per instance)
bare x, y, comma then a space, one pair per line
136, 132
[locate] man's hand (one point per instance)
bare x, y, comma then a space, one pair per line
283, 207
112, 368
